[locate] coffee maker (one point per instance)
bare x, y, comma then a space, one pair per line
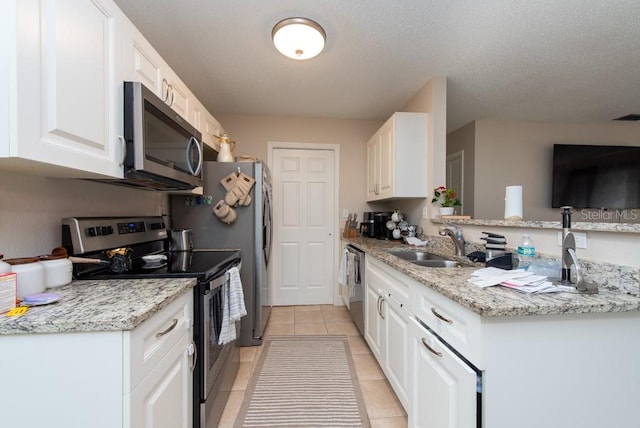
367, 225
380, 220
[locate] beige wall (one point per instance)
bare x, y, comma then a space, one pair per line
463, 139
252, 134
31, 208
521, 153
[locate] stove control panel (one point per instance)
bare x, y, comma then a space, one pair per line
132, 227
87, 234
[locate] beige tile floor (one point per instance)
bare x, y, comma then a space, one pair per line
383, 407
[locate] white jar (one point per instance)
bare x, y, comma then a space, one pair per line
30, 275
58, 270
4, 267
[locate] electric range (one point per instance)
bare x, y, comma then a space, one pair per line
216, 365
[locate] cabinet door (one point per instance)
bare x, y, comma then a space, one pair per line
142, 63
397, 348
387, 160
373, 321
443, 393
80, 87
373, 168
164, 398
209, 127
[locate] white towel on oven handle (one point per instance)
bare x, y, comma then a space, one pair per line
342, 273
233, 306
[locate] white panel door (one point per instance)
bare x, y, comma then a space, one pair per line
303, 211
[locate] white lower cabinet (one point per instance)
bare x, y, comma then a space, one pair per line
435, 386
104, 379
158, 369
443, 387
561, 370
387, 327
163, 399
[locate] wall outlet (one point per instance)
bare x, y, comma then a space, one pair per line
345, 213
580, 237
425, 214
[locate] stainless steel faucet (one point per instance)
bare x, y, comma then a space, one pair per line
455, 233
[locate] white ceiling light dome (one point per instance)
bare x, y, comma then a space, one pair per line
298, 38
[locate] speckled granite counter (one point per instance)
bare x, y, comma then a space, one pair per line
99, 306
618, 293
575, 226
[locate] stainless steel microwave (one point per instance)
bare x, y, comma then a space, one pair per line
163, 151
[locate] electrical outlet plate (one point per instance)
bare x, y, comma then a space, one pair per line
345, 213
425, 214
580, 237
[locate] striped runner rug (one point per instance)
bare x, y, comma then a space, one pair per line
304, 381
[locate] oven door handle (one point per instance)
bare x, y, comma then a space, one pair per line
192, 351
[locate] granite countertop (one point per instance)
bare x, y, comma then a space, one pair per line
110, 305
619, 292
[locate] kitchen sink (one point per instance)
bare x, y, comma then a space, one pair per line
422, 258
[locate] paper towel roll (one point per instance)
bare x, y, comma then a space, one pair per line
513, 203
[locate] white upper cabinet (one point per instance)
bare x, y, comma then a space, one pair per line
397, 158
142, 63
65, 87
61, 87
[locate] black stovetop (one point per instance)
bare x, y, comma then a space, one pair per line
202, 264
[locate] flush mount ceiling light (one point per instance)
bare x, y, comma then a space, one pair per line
298, 38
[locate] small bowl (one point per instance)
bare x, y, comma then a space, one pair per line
154, 258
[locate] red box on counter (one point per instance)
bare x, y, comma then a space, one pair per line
8, 291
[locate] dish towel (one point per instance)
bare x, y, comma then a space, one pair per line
342, 274
233, 307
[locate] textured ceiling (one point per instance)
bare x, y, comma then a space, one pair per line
536, 60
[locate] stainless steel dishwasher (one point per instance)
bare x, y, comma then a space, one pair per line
355, 285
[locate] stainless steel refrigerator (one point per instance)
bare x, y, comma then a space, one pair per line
251, 233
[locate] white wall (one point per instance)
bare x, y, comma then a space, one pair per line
31, 209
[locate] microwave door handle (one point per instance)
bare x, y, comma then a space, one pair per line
193, 171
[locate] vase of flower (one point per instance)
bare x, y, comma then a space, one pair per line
447, 199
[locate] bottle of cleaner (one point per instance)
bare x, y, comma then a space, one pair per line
526, 252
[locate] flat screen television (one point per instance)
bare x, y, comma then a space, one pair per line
591, 176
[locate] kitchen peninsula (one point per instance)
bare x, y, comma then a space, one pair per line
553, 360
96, 356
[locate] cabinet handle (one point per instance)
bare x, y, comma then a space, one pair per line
123, 143
381, 307
170, 88
448, 321
173, 325
192, 350
433, 351
165, 92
